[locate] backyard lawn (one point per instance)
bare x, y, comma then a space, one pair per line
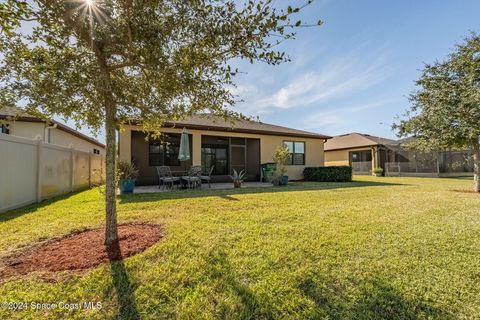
396, 248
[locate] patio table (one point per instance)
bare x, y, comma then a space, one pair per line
180, 173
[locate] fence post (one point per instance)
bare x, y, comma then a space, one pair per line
89, 170
438, 164
72, 169
39, 168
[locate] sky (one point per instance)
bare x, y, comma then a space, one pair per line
355, 72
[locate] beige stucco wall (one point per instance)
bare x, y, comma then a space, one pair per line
32, 130
62, 138
342, 157
268, 144
28, 130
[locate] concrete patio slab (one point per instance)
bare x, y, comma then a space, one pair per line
214, 186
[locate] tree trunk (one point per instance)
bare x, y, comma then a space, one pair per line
111, 234
111, 231
476, 166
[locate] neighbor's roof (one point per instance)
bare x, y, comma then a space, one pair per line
209, 122
356, 140
20, 115
14, 112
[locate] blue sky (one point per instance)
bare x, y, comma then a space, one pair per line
354, 73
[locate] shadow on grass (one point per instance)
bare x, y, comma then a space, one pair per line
249, 307
371, 299
376, 299
228, 193
122, 284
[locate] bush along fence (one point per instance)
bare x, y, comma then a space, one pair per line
328, 174
32, 171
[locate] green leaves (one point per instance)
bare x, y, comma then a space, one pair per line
446, 106
11, 14
157, 60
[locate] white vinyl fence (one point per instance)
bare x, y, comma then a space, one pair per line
31, 170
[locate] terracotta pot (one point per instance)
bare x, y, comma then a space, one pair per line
237, 184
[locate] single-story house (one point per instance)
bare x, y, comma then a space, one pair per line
54, 132
245, 145
396, 157
362, 152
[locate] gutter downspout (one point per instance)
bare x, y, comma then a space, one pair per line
47, 132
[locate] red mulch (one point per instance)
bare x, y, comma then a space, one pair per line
465, 191
82, 250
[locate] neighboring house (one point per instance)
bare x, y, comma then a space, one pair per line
442, 163
365, 152
53, 132
361, 151
214, 142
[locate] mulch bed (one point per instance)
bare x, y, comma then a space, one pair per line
82, 250
465, 191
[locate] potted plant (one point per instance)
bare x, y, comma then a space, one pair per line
237, 178
377, 172
127, 172
279, 157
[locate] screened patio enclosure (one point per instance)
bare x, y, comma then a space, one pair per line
361, 161
223, 153
226, 154
433, 164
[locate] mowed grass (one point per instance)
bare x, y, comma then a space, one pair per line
376, 248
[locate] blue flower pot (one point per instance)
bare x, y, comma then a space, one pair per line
127, 185
284, 180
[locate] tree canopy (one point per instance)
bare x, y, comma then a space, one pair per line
109, 62
164, 59
445, 108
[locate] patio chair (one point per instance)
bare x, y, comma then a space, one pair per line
209, 177
165, 177
193, 177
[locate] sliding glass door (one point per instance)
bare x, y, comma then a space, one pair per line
217, 156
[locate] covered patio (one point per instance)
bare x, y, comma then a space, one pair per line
218, 146
222, 154
214, 186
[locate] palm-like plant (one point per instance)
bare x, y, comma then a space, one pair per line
237, 178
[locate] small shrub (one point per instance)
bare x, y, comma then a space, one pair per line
279, 157
238, 176
126, 170
328, 174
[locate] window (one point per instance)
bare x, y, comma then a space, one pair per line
96, 151
164, 152
4, 129
296, 153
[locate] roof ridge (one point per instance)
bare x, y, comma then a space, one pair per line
213, 121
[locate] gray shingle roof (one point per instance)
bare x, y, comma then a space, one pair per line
208, 122
14, 112
356, 140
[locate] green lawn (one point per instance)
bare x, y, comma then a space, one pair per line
397, 248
